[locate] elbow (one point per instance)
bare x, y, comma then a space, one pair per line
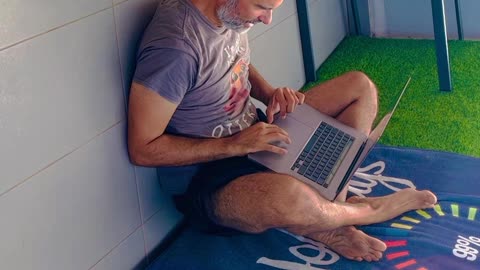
137, 156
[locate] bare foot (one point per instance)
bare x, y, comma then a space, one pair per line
351, 243
390, 206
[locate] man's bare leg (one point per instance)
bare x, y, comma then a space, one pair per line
265, 203
351, 99
257, 202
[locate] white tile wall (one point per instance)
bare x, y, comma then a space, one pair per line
69, 198
131, 18
157, 227
71, 214
413, 18
115, 2
277, 55
57, 92
287, 9
326, 37
130, 254
20, 20
152, 197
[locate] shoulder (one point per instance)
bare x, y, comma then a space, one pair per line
180, 25
167, 27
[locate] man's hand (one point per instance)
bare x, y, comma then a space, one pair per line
258, 137
283, 100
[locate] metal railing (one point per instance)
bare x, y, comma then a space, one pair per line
441, 43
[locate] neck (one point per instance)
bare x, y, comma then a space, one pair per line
209, 9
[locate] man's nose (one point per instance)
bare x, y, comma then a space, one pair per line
266, 18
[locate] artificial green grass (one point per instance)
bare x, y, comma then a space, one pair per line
426, 117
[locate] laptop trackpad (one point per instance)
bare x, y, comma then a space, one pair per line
299, 134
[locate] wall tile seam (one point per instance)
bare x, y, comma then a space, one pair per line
142, 226
152, 215
121, 67
312, 3
119, 3
273, 26
141, 215
116, 246
169, 231
6, 47
24, 181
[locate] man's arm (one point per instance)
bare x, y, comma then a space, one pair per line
148, 145
261, 89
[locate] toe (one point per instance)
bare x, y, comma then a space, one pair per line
377, 254
429, 198
377, 245
367, 258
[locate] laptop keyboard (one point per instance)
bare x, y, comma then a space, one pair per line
318, 159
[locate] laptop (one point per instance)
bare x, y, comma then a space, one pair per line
324, 153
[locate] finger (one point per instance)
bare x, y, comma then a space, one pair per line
274, 149
283, 104
291, 102
292, 93
297, 100
278, 137
275, 136
300, 96
276, 130
260, 125
271, 110
266, 128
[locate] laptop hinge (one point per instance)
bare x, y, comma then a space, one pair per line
351, 169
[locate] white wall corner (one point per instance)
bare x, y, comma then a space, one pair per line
378, 20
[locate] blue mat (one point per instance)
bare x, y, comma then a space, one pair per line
446, 237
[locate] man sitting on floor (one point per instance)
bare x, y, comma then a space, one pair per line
190, 104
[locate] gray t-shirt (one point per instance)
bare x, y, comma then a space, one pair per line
201, 67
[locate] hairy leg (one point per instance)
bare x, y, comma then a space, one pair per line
257, 202
351, 98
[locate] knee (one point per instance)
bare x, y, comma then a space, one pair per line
362, 81
365, 86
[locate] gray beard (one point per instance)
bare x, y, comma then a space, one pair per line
229, 19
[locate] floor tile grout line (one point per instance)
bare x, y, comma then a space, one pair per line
58, 159
53, 29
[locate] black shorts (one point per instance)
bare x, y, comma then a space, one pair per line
197, 203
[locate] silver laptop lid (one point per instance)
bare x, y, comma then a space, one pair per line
380, 128
374, 137
372, 140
